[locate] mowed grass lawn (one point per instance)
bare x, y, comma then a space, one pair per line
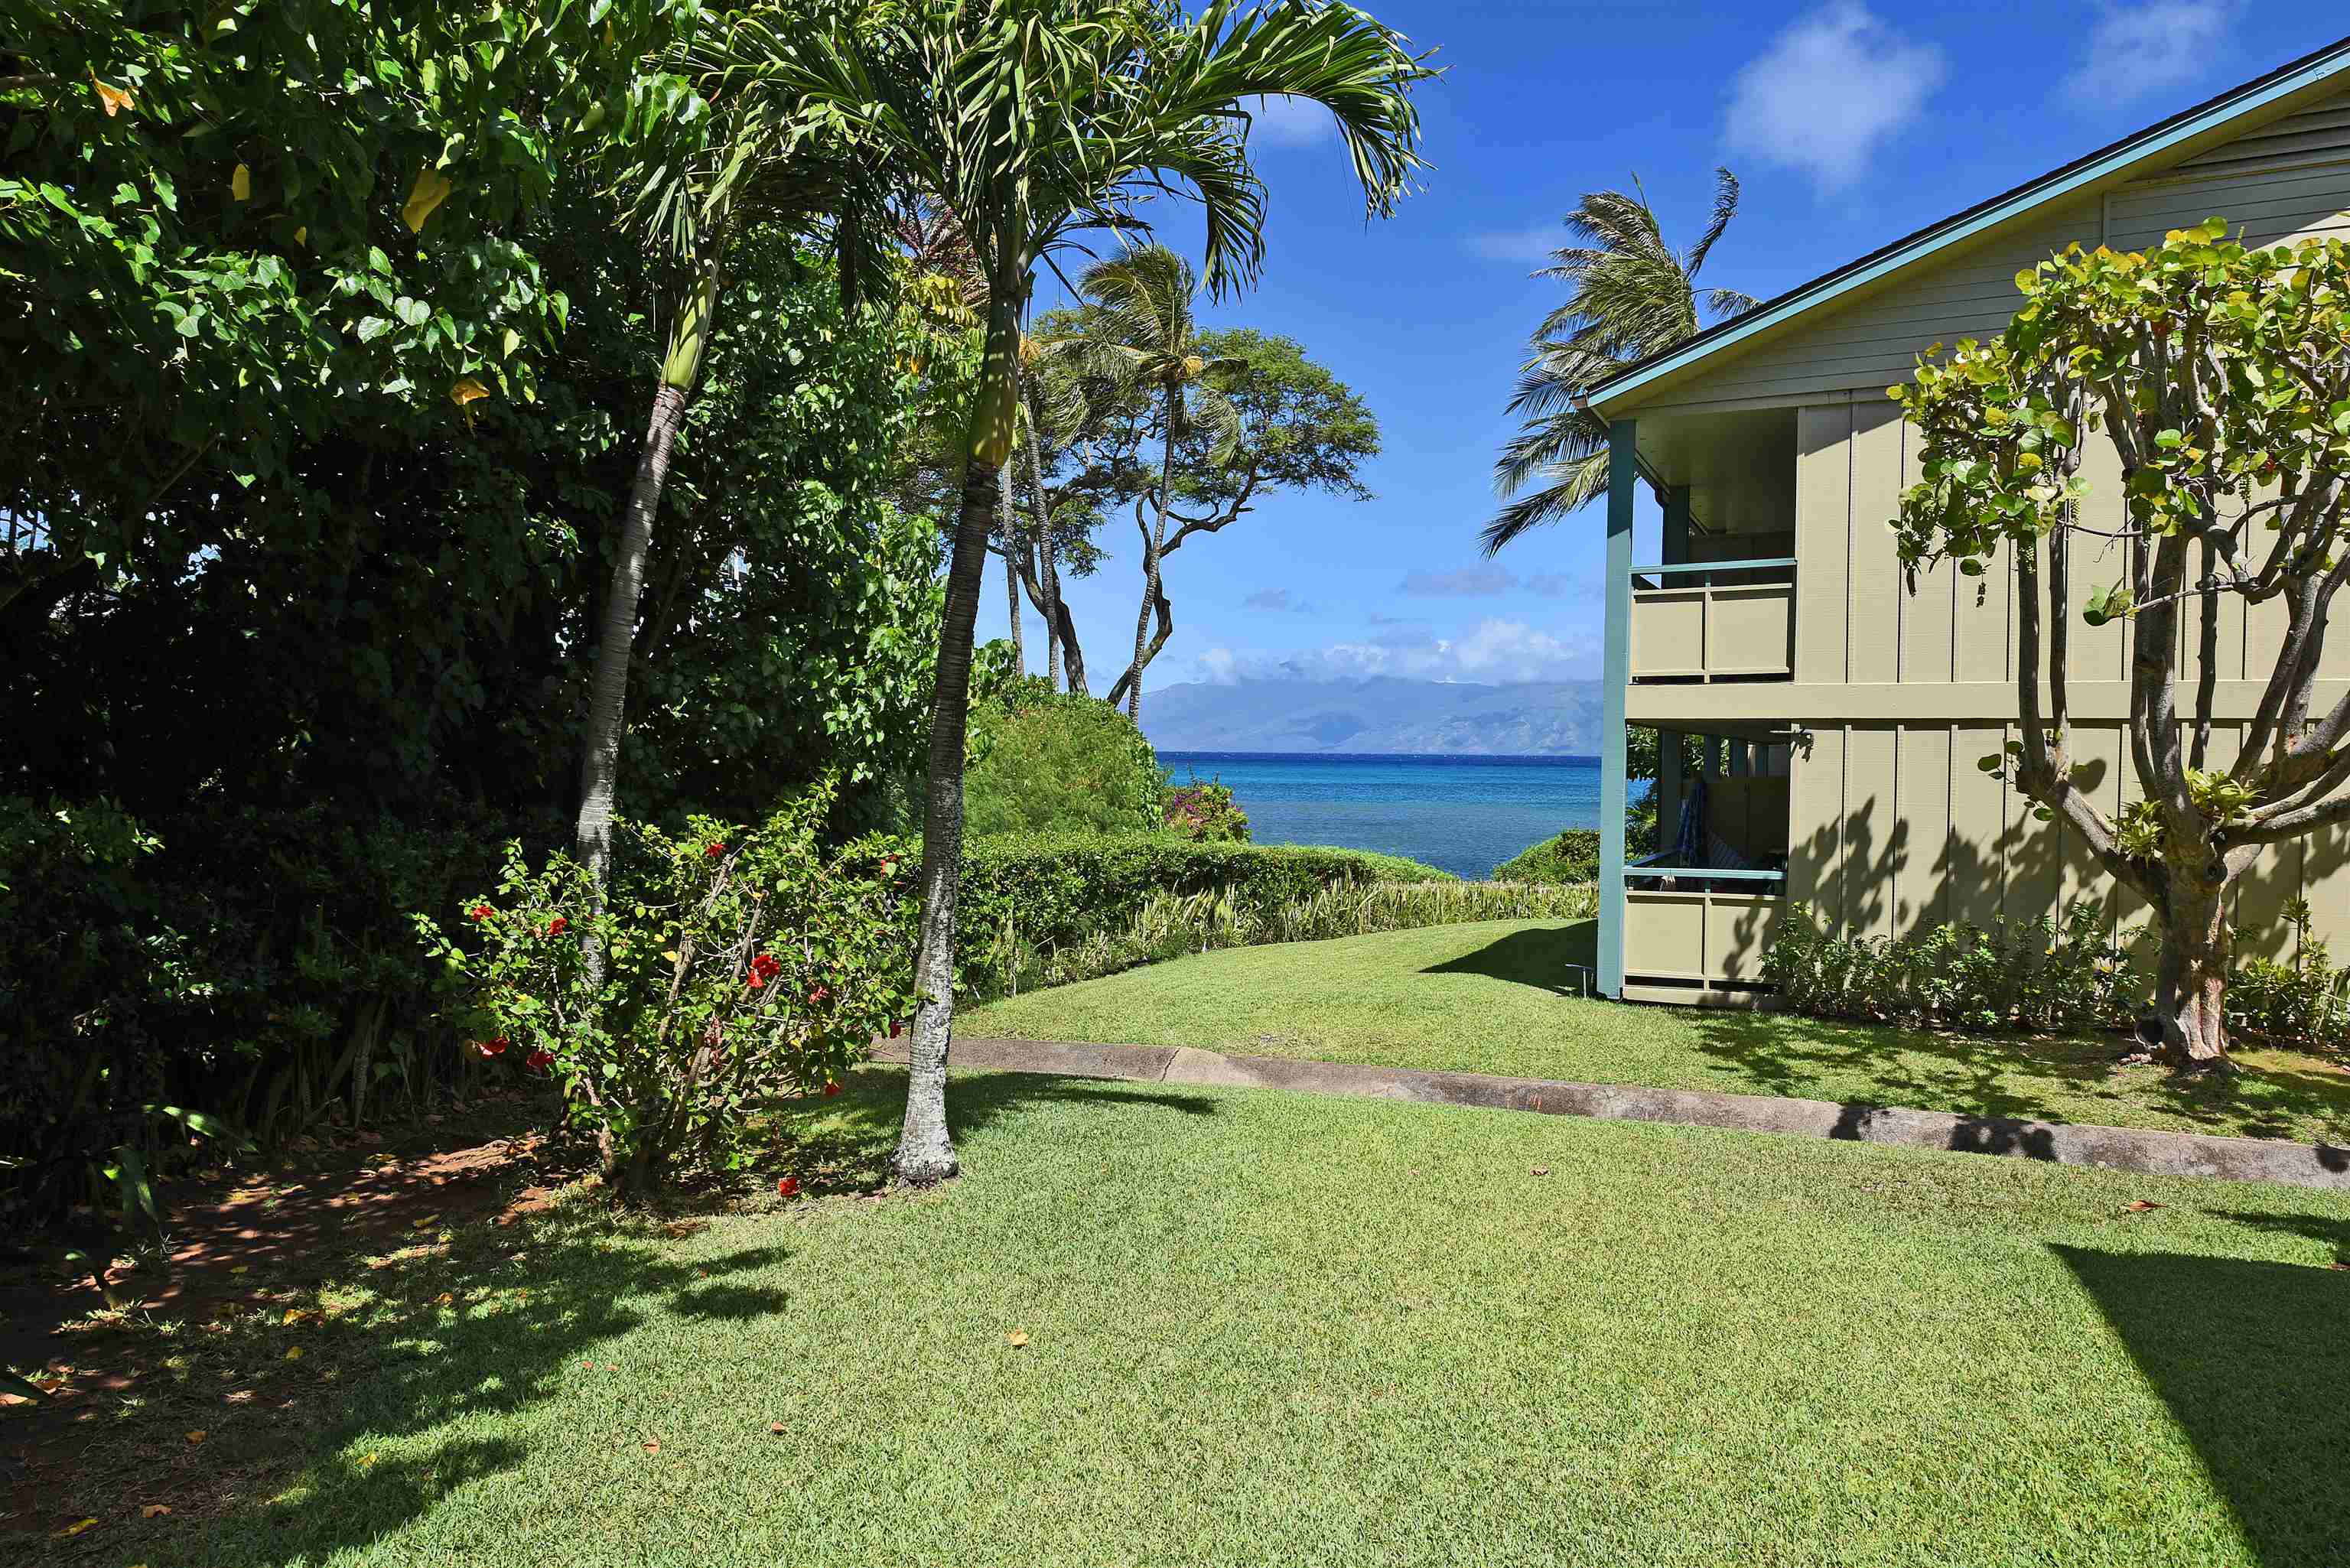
1493, 997
1274, 1328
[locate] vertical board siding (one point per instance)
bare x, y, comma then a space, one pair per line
1878, 606
1816, 826
1922, 900
1974, 853
1823, 540
1876, 840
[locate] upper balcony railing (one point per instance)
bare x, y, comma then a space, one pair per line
1714, 621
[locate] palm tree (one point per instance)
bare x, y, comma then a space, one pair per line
1633, 296
1033, 121
1142, 336
702, 161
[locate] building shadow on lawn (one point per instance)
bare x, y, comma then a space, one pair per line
2253, 1362
1542, 958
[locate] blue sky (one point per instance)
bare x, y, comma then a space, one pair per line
1847, 124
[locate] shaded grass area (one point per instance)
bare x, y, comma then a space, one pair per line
1267, 1327
1497, 997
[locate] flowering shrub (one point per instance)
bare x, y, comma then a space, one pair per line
739, 966
2030, 976
1206, 814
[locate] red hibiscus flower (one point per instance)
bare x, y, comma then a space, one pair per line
480, 912
713, 851
766, 966
540, 1060
486, 1049
819, 996
557, 925
897, 1027
755, 980
831, 1087
788, 1187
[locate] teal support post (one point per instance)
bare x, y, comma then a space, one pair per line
1677, 527
1615, 677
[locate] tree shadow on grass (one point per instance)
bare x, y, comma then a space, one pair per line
399, 1403
450, 1343
1540, 958
1979, 1075
2252, 1360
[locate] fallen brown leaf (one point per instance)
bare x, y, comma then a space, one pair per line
2139, 1205
652, 1445
776, 1428
1542, 1170
153, 1509
1017, 1339
197, 1436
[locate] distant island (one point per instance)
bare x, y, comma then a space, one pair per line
1378, 713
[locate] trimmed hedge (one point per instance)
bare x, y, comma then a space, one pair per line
1058, 889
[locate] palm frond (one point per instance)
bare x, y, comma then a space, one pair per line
1630, 295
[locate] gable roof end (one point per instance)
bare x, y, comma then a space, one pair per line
2210, 115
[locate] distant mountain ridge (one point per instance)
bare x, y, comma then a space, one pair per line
1378, 713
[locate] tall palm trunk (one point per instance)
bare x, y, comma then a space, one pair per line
1048, 578
1153, 545
926, 1153
1013, 548
607, 702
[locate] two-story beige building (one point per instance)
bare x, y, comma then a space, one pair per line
1845, 713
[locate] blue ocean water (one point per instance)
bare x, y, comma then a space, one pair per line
1465, 815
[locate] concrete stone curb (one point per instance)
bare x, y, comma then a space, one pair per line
2145, 1152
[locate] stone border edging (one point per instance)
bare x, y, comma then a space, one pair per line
2142, 1151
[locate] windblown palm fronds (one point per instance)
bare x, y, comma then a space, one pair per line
1632, 294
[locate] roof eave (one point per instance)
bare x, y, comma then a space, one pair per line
2117, 160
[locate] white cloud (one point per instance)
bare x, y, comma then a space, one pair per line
1531, 245
2138, 49
1828, 90
1493, 653
1289, 121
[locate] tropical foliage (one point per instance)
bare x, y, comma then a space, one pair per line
443, 424
1631, 294
2218, 376
1045, 763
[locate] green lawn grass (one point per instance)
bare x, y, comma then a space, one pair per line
1275, 1328
1491, 997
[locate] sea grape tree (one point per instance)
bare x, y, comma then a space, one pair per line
2220, 374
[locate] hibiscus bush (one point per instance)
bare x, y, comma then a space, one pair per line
738, 966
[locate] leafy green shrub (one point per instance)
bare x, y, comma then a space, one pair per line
2032, 976
739, 966
1571, 858
248, 972
1046, 762
2301, 1000
1206, 814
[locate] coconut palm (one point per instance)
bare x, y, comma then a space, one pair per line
1632, 296
1035, 121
